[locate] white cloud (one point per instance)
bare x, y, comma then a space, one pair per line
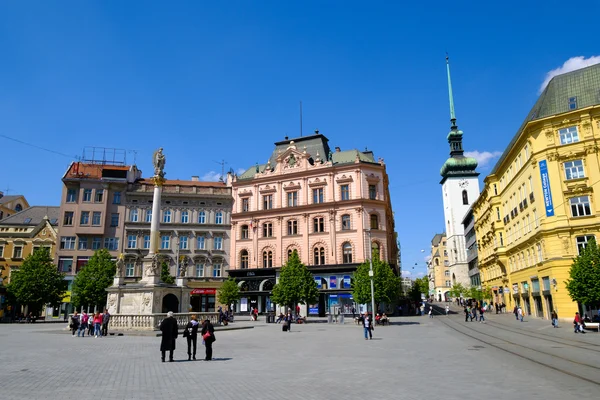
483, 157
571, 64
427, 258
211, 176
241, 170
420, 273
406, 274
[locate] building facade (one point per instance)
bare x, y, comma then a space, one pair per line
440, 280
332, 207
539, 207
10, 205
471, 244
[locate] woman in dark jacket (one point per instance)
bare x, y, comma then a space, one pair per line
168, 327
192, 336
207, 327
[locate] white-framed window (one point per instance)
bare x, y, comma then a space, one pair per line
132, 241
347, 253
201, 242
67, 242
218, 217
539, 252
244, 259
568, 135
165, 242
244, 232
111, 244
267, 229
1, 251
199, 269
146, 241
292, 226
245, 204
373, 192
448, 284
318, 224
114, 219
87, 195
96, 243
580, 206
345, 189
65, 264
292, 199
68, 218
218, 243
318, 196
267, 202
71, 195
96, 218
446, 273
185, 217
217, 270
133, 215
319, 256
129, 269
82, 243
574, 169
149, 215
17, 252
85, 218
267, 259
572, 103
183, 242
99, 196
346, 224
167, 217
202, 217
582, 242
117, 198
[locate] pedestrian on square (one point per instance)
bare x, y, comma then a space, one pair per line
430, 312
578, 323
83, 324
554, 319
474, 313
90, 324
105, 321
481, 317
354, 312
516, 312
97, 325
368, 326
467, 313
191, 333
208, 335
74, 325
169, 330
520, 314
447, 309
288, 321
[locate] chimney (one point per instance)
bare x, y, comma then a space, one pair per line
337, 150
195, 178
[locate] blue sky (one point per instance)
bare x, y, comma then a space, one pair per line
209, 82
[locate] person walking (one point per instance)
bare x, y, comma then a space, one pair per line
97, 325
105, 321
74, 325
578, 323
520, 314
467, 312
447, 309
83, 324
288, 321
554, 319
191, 333
430, 312
516, 312
208, 334
90, 324
169, 330
481, 317
353, 312
368, 326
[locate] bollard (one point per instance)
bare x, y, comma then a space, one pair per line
329, 319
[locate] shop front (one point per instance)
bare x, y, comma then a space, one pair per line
255, 286
203, 300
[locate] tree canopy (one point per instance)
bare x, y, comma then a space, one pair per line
386, 285
583, 284
229, 292
89, 287
37, 282
296, 284
165, 274
458, 290
420, 286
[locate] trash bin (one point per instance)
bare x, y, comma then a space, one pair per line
329, 319
341, 318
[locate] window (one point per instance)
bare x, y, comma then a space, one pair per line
374, 221
165, 242
129, 269
568, 135
292, 227
82, 243
292, 199
219, 217
131, 241
71, 195
85, 218
267, 259
574, 169
87, 195
99, 195
17, 252
185, 217
319, 224
446, 273
244, 259
133, 215
202, 217
146, 241
217, 270
67, 242
465, 197
148, 215
245, 205
117, 198
346, 222
68, 218
167, 217
291, 251
526, 152
244, 233
498, 213
200, 243
111, 244
319, 255
501, 239
96, 243
580, 206
347, 253
96, 218
448, 284
268, 202
572, 103
345, 192
183, 242
582, 242
218, 243
65, 264
267, 229
539, 252
199, 270
495, 190
114, 219
318, 196
535, 219
373, 192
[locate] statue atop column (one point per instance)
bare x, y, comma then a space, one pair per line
120, 266
159, 160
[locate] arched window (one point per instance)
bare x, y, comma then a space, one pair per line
244, 259
346, 222
290, 251
465, 197
375, 250
347, 253
244, 232
437, 262
18, 208
267, 259
374, 221
319, 256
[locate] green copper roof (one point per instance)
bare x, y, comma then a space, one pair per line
454, 133
458, 165
582, 84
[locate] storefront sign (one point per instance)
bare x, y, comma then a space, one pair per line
516, 288
347, 284
546, 189
203, 291
333, 282
250, 274
243, 304
318, 282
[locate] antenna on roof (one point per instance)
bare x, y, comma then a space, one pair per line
7, 190
222, 164
300, 118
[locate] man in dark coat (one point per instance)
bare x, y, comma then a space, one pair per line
168, 327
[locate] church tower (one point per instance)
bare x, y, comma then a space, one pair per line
460, 189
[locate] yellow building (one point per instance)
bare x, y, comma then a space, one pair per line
10, 205
438, 270
539, 206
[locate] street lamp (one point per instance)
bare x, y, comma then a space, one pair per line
371, 275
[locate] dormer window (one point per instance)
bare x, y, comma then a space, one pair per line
572, 103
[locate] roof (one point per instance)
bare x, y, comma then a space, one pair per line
33, 216
177, 182
92, 171
583, 84
8, 199
437, 238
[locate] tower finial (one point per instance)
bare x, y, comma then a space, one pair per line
452, 114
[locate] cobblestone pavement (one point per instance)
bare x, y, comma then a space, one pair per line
415, 358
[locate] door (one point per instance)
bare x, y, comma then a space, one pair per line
538, 306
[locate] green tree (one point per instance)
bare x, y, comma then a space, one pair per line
457, 290
165, 274
89, 286
37, 282
583, 284
296, 284
229, 292
386, 285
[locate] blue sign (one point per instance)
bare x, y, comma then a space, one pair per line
313, 310
546, 189
347, 282
318, 282
333, 282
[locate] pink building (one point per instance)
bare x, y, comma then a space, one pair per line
325, 204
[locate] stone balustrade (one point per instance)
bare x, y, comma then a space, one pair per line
150, 322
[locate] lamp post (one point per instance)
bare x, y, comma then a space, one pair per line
371, 275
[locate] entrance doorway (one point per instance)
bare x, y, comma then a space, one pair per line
538, 306
549, 304
170, 303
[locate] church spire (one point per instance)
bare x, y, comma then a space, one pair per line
452, 114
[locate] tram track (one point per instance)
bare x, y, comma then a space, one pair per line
590, 372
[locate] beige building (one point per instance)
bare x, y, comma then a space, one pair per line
438, 269
10, 205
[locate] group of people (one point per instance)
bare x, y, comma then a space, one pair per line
170, 332
473, 311
95, 324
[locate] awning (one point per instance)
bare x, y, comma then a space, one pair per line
203, 291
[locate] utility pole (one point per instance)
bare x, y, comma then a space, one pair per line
372, 276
